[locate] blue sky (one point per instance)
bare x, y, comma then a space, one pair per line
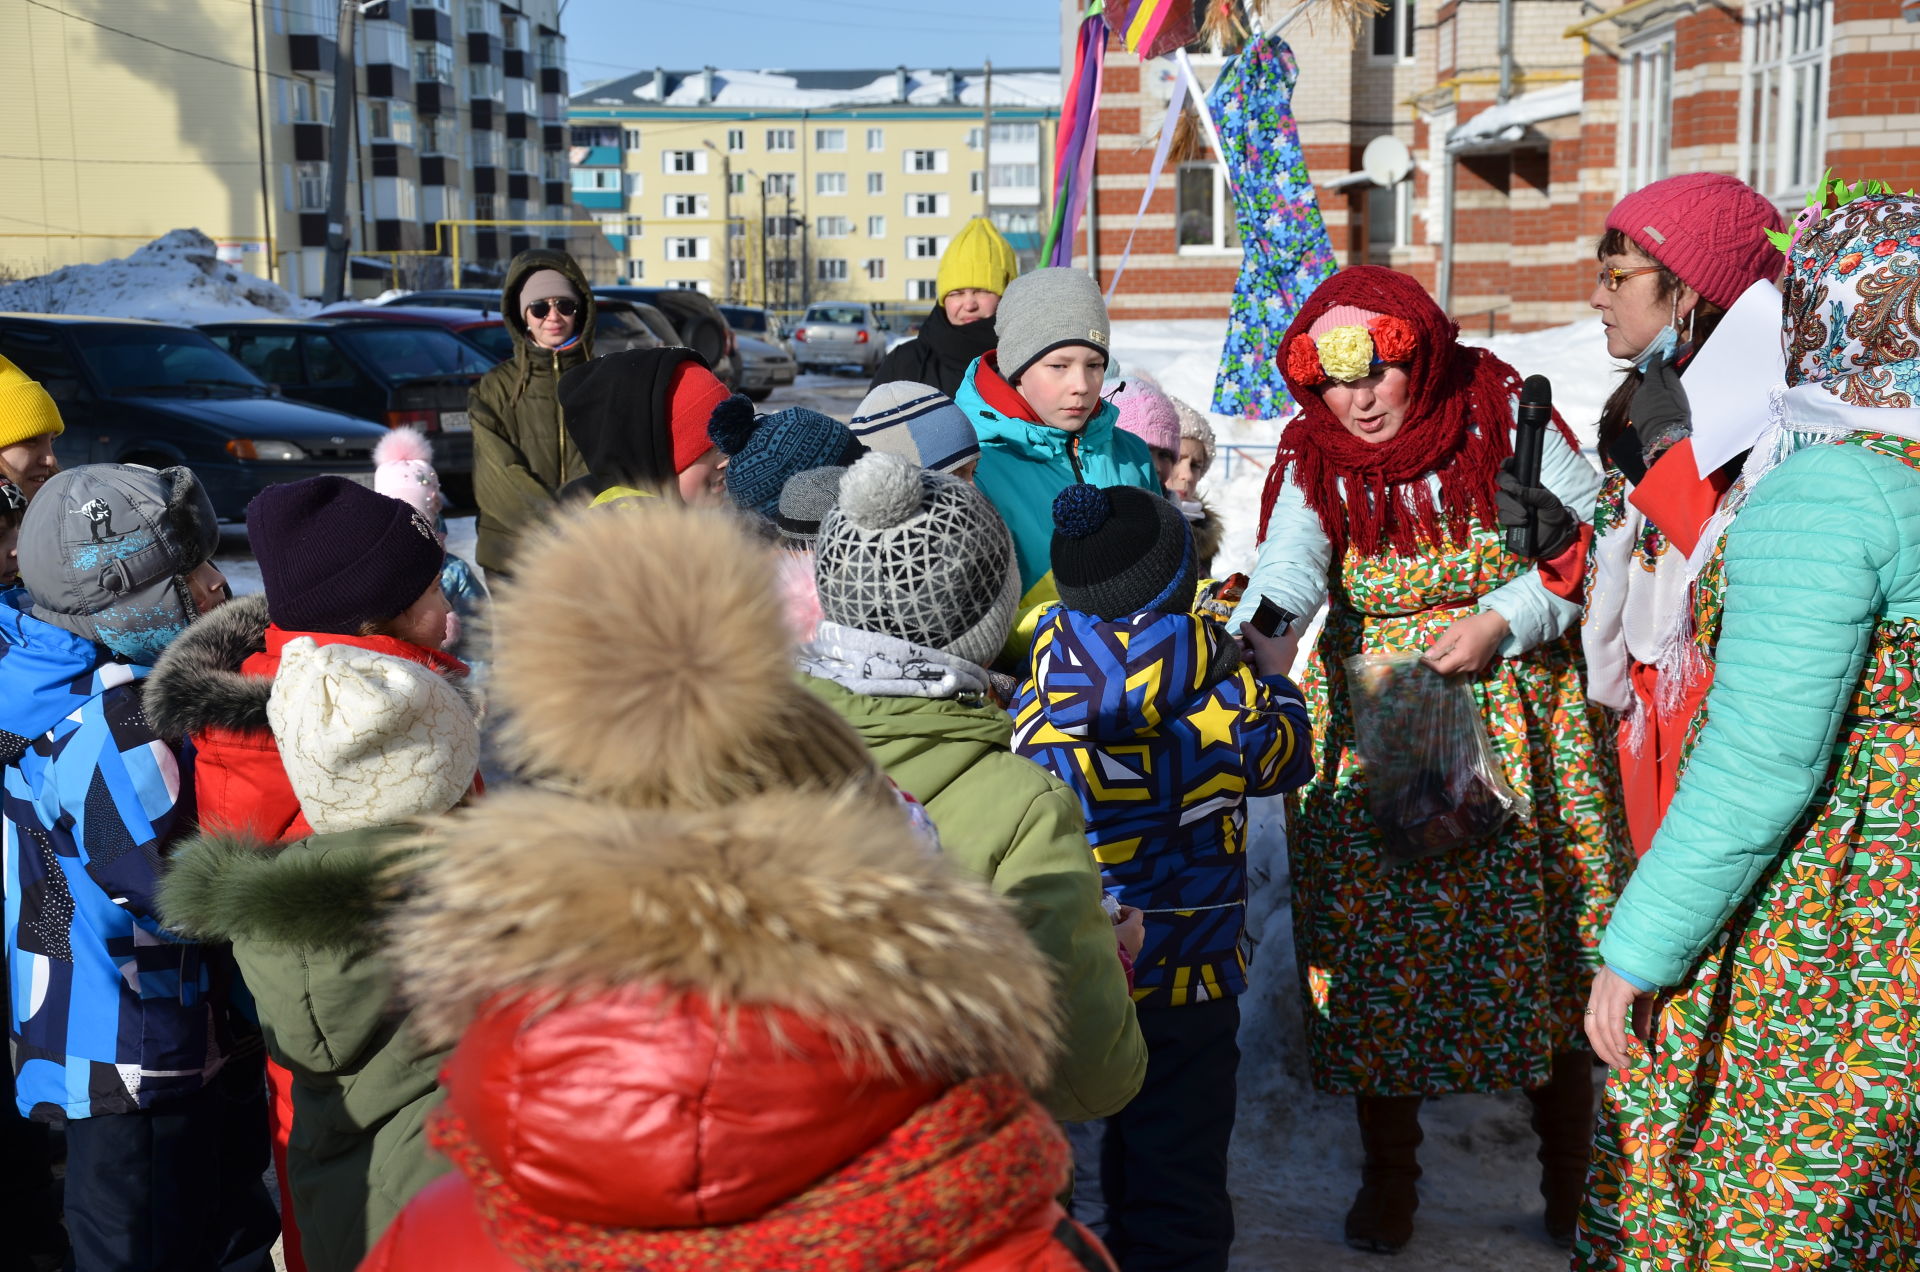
607, 38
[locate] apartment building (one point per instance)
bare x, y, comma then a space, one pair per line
1526, 120
781, 188
126, 121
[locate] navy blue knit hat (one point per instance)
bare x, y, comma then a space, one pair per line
335, 556
765, 450
1121, 550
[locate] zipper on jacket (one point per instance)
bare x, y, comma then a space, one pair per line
1073, 455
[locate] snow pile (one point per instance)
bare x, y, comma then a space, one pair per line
176, 278
764, 90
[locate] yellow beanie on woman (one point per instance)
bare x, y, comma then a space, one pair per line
27, 411
979, 256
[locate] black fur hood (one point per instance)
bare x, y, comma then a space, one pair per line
197, 684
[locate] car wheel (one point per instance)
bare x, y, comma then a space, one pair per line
758, 395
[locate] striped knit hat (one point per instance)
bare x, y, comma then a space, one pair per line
919, 422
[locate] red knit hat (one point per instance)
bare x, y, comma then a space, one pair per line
1708, 228
693, 393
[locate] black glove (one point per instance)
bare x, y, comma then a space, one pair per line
1555, 527
1659, 409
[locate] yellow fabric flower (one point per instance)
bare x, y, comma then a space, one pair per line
1346, 353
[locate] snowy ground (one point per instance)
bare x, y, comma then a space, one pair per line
176, 278
1296, 1155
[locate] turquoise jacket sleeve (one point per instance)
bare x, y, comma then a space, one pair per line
1824, 548
1293, 562
1534, 615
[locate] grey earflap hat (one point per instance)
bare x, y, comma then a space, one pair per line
1045, 310
104, 551
918, 556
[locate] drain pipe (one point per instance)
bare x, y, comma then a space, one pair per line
1443, 284
1506, 51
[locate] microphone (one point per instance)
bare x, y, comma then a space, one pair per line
1535, 415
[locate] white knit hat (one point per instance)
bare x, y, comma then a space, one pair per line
368, 739
1195, 425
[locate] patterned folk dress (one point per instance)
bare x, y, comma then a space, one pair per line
1466, 971
1771, 1124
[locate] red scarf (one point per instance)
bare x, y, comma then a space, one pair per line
1375, 497
951, 1179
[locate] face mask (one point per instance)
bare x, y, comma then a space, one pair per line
1661, 349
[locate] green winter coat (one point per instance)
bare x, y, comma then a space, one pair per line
1827, 547
303, 921
522, 455
1009, 822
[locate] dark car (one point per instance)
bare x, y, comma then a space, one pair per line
490, 333
618, 325
698, 321
395, 372
139, 392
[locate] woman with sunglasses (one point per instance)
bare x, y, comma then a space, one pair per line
1464, 970
522, 455
1675, 256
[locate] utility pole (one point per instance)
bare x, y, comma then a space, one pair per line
726, 220
340, 161
786, 252
986, 146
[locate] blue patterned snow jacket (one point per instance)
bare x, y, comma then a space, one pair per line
108, 1014
1163, 733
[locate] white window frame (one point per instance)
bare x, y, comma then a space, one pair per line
832, 227
693, 247
921, 289
832, 141
1786, 55
925, 247
939, 208
1217, 244
924, 160
681, 206
876, 183
689, 162
783, 141
630, 138
876, 227
828, 185
830, 269
1646, 109
876, 140
974, 180
875, 268
1400, 196
782, 183
736, 140
636, 269
1402, 15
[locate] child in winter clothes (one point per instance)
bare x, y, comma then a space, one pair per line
369, 741
119, 1030
917, 587
763, 451
13, 508
1149, 415
714, 1006
29, 421
403, 470
639, 419
920, 423
1149, 715
804, 500
1035, 404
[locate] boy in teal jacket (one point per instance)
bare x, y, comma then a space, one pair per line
1035, 403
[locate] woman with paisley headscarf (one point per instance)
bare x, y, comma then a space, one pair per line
1759, 999
1463, 971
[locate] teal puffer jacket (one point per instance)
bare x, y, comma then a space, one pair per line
1826, 549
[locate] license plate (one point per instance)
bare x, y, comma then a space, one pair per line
455, 422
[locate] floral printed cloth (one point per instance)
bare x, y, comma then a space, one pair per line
1771, 1123
1852, 301
1466, 971
1287, 251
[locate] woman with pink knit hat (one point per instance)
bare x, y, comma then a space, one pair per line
1675, 257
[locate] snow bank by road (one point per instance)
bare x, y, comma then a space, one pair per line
176, 278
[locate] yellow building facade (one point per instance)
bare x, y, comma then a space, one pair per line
782, 188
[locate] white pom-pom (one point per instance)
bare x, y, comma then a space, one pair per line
402, 445
880, 491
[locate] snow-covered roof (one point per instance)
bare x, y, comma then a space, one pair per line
1509, 121
822, 90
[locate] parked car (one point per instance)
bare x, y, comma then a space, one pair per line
138, 392
838, 333
699, 322
764, 367
618, 325
394, 372
490, 334
761, 324
485, 300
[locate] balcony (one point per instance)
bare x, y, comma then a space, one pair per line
311, 54
595, 157
600, 200
431, 24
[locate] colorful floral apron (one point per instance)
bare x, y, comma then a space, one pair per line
1772, 1123
1467, 971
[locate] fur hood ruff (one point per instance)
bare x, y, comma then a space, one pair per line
820, 904
197, 684
327, 892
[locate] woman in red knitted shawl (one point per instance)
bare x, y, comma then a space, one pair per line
1462, 971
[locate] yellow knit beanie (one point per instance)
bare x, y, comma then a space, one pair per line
26, 409
979, 256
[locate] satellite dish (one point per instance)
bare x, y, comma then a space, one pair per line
1386, 160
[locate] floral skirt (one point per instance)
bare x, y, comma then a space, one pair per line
1772, 1124
1467, 971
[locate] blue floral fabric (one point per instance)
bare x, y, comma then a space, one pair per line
1287, 251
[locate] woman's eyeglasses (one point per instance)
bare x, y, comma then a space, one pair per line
1612, 278
538, 309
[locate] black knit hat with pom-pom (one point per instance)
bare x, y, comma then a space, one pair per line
1121, 550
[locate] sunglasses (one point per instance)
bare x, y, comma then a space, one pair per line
538, 309
1612, 278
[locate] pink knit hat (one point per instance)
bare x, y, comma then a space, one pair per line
1148, 414
1341, 316
1708, 228
403, 470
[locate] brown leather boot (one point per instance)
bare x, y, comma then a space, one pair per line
1381, 1220
1563, 1115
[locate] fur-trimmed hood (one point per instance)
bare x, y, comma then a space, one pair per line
326, 892
1208, 531
198, 684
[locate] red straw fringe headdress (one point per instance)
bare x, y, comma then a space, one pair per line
1375, 497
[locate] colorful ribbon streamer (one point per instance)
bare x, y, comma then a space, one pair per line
1077, 139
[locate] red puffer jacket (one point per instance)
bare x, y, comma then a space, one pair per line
784, 1038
